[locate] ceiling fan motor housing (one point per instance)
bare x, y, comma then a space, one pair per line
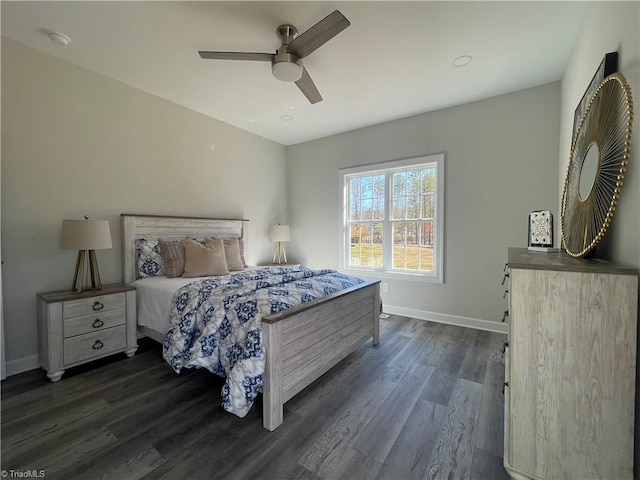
286, 66
286, 33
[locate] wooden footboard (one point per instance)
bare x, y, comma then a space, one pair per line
304, 342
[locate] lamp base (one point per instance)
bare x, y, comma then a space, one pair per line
78, 279
279, 253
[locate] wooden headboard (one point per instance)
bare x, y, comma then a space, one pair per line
171, 228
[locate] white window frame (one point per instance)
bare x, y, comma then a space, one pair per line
437, 275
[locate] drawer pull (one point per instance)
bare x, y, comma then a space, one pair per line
97, 323
505, 315
504, 385
506, 265
97, 306
505, 294
98, 345
504, 279
504, 347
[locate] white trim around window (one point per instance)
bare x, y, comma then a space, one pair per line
383, 220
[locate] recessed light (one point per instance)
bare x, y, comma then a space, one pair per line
462, 61
286, 118
59, 38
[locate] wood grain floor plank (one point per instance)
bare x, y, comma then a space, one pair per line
282, 465
443, 380
487, 466
248, 461
378, 437
197, 459
340, 436
411, 327
291, 472
136, 467
23, 441
54, 461
474, 366
407, 355
356, 466
410, 454
490, 436
144, 417
452, 455
37, 405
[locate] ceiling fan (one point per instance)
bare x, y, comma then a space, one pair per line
286, 63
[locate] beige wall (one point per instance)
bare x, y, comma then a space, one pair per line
501, 162
75, 143
608, 27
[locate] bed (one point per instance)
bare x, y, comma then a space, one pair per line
300, 343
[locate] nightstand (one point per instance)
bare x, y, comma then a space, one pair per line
78, 327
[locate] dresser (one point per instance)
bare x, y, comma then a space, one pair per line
78, 327
570, 367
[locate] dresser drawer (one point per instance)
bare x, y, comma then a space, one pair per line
90, 306
96, 344
93, 323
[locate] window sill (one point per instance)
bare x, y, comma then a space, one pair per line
386, 274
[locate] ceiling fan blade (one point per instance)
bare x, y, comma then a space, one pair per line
318, 35
264, 57
306, 86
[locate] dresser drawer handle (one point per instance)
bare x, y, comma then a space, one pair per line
504, 279
98, 345
97, 306
504, 386
97, 323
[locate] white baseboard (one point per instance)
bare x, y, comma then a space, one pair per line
22, 365
476, 323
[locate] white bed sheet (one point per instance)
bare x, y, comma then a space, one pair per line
154, 298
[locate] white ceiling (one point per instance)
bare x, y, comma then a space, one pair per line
395, 60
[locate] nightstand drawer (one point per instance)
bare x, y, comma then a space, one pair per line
91, 306
93, 323
89, 345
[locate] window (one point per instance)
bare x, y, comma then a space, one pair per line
392, 218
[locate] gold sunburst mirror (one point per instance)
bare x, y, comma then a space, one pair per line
598, 160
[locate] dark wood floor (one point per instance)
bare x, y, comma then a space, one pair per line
425, 403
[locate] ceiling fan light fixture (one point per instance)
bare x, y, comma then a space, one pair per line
462, 60
59, 38
287, 71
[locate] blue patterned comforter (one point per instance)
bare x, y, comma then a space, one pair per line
216, 323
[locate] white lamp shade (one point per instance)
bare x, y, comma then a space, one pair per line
85, 234
280, 233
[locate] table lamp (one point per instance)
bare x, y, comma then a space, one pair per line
86, 236
279, 234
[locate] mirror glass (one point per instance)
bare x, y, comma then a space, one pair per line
589, 171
